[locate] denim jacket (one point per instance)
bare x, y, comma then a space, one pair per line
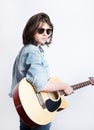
30, 63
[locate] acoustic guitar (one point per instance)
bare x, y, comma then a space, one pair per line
37, 109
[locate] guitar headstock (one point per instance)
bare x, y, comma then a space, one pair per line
91, 80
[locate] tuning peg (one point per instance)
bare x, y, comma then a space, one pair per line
91, 80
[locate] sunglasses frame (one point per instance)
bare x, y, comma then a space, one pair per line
42, 30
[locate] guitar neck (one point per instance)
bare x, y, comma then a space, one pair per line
77, 86
81, 85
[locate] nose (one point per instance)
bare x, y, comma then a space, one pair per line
45, 33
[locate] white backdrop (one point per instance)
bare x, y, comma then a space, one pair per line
71, 56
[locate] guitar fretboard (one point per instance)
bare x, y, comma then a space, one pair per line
80, 85
77, 86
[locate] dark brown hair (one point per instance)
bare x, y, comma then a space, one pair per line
32, 25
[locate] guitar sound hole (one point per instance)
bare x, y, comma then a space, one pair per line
53, 95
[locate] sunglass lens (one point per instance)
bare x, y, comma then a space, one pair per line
41, 30
49, 31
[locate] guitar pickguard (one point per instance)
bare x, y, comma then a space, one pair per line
52, 105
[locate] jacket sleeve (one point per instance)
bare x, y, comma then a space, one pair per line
37, 73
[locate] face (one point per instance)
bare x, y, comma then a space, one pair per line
42, 34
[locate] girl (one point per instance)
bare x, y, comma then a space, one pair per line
31, 63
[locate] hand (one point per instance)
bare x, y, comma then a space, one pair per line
68, 90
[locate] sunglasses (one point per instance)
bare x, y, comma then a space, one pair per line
42, 30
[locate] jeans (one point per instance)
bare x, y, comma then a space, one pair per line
23, 126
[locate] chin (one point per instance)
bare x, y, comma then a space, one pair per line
43, 42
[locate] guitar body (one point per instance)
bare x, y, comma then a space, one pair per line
37, 109
29, 107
